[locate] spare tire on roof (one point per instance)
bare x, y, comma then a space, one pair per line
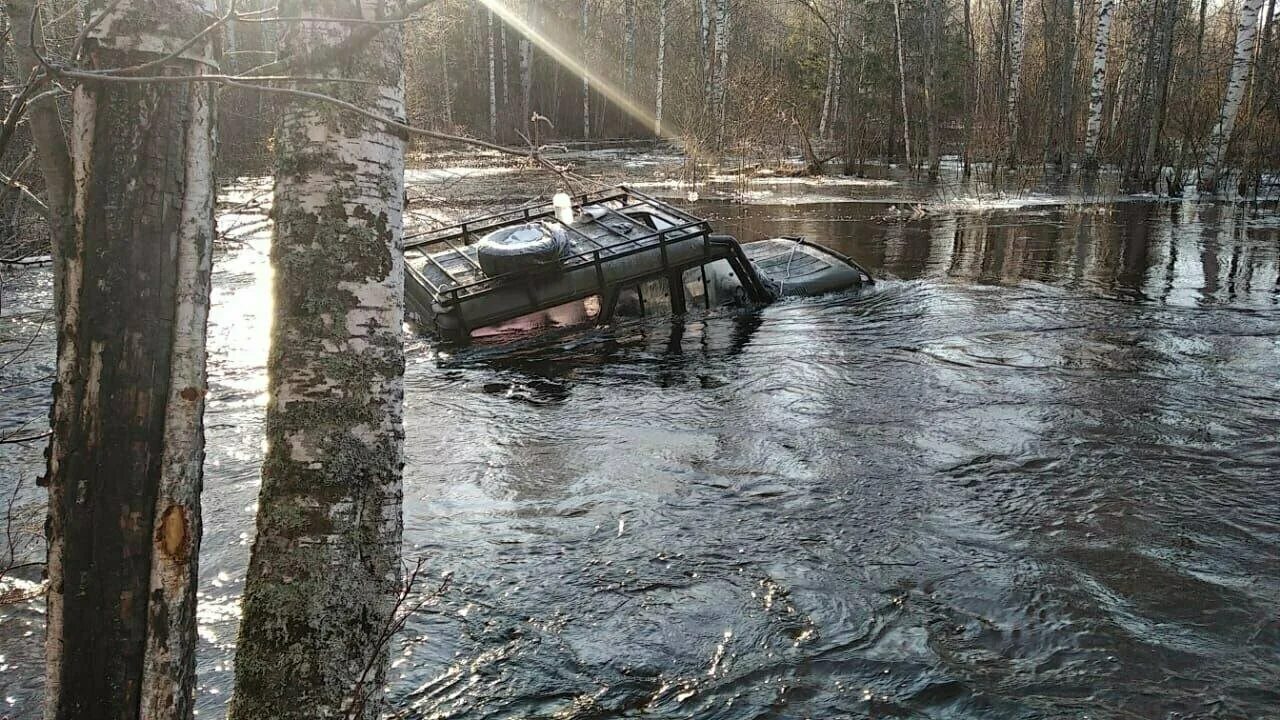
532, 246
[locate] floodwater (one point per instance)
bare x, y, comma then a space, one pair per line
1033, 473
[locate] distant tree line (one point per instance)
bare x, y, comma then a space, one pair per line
1136, 84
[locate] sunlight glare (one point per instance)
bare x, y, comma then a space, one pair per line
574, 65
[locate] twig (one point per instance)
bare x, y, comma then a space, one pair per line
84, 32
28, 438
397, 621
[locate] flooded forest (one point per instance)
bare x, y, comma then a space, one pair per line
639, 358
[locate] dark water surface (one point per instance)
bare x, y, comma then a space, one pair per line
1034, 473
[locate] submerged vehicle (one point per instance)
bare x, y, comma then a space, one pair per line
595, 259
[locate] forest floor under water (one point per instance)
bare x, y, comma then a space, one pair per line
1031, 473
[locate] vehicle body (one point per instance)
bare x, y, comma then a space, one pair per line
625, 254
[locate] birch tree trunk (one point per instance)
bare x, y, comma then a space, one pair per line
1246, 34
124, 477
493, 85
325, 568
902, 81
1097, 83
720, 90
828, 91
586, 80
662, 67
1015, 75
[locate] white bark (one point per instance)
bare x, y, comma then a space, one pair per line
123, 529
1220, 138
828, 92
719, 85
902, 80
1016, 32
1097, 82
493, 84
586, 80
167, 681
662, 66
325, 565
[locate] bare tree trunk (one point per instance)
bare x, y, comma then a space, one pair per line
629, 47
506, 70
704, 44
1062, 134
933, 24
444, 84
720, 88
526, 68
123, 525
493, 85
828, 92
51, 144
662, 66
325, 568
586, 81
1161, 94
1016, 32
1097, 83
902, 82
1246, 34
971, 87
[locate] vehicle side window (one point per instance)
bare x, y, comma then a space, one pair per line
695, 288
644, 299
722, 283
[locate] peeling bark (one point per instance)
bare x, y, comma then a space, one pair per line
124, 478
324, 569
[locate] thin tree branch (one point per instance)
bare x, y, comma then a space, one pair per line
158, 62
361, 36
89, 27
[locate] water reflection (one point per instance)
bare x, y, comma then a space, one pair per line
1032, 473
1180, 254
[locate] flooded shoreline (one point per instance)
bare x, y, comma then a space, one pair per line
1032, 473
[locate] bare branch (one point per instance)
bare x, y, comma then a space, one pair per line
158, 62
89, 27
